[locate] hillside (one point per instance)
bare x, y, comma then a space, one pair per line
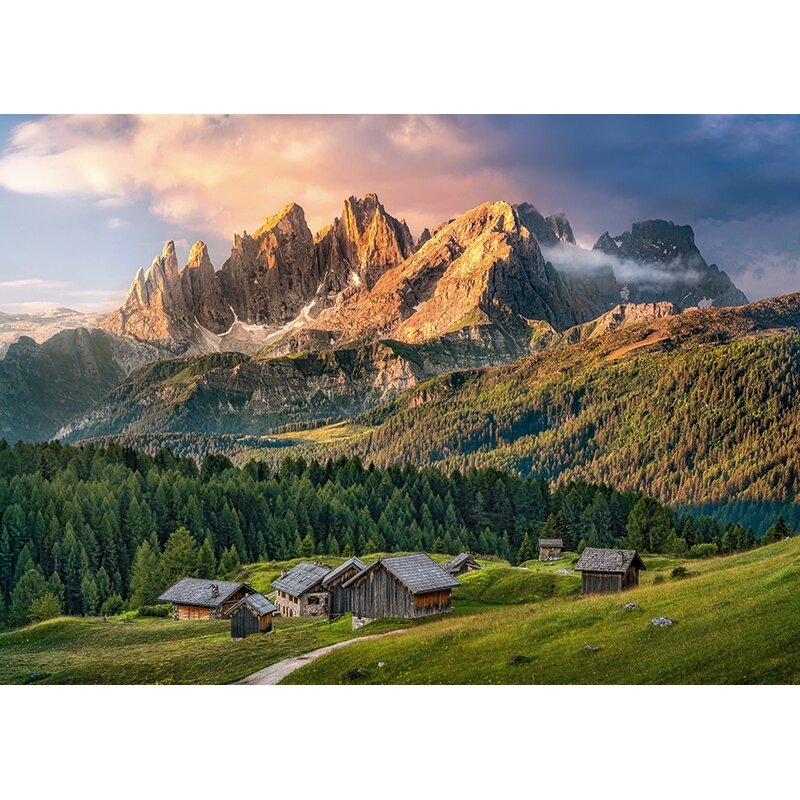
700, 407
729, 627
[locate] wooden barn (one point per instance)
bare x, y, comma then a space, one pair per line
252, 614
401, 587
300, 591
199, 598
608, 571
550, 549
333, 582
463, 562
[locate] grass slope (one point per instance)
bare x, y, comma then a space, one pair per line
734, 623
116, 651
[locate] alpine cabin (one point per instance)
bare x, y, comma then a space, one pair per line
333, 582
608, 571
550, 549
400, 587
199, 598
252, 614
463, 562
300, 591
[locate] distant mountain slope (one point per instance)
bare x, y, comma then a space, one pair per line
698, 407
42, 386
42, 325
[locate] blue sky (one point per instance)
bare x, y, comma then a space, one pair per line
86, 201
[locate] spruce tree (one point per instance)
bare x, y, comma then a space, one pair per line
45, 607
179, 559
525, 553
89, 596
31, 586
146, 582
230, 563
206, 561
307, 546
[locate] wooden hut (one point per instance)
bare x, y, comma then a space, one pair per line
252, 614
199, 598
400, 586
333, 582
300, 591
463, 562
608, 571
550, 549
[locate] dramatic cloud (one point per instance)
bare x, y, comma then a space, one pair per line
223, 173
736, 180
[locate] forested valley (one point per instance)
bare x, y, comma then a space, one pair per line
88, 530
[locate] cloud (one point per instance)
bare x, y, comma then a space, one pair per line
33, 283
570, 258
115, 223
221, 174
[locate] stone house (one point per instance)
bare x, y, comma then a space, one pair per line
300, 592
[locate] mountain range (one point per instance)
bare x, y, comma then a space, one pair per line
300, 328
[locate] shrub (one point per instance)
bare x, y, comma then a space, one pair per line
515, 661
155, 611
112, 606
659, 579
703, 550
679, 572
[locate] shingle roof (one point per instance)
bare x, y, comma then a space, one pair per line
301, 578
418, 571
257, 602
197, 592
351, 562
551, 543
456, 562
599, 559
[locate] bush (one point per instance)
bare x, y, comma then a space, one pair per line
703, 550
113, 605
659, 579
155, 611
679, 572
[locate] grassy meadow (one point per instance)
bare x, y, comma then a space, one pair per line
734, 622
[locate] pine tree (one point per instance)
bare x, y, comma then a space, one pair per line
525, 553
31, 587
307, 546
648, 525
45, 607
777, 532
146, 582
229, 562
103, 583
206, 561
179, 559
89, 596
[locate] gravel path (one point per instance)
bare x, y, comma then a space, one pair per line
275, 673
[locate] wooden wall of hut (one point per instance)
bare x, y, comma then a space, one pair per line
601, 583
380, 594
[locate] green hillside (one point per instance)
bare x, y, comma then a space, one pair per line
733, 623
125, 650
701, 408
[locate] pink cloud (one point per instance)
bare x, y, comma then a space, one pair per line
222, 174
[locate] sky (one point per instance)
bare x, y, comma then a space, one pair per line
87, 200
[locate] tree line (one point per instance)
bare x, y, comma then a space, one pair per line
88, 530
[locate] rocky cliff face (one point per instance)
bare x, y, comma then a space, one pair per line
276, 276
661, 262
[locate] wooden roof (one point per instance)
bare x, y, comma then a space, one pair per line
300, 579
260, 604
418, 572
197, 592
342, 568
551, 543
599, 559
460, 560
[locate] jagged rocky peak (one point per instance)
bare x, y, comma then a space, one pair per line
423, 237
661, 261
561, 228
549, 231
368, 240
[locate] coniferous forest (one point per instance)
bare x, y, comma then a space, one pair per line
87, 530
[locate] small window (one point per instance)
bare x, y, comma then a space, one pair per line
313, 600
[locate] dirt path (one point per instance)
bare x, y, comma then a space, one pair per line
275, 673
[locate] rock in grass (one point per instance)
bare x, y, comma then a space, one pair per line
590, 648
661, 622
515, 661
563, 572
630, 607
